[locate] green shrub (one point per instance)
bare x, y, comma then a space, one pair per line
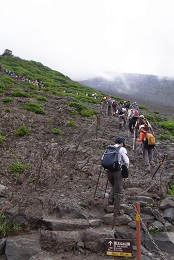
7, 99
156, 112
20, 93
143, 107
168, 125
164, 137
57, 131
77, 105
34, 107
17, 167
7, 227
154, 229
151, 118
22, 130
171, 190
7, 109
71, 123
42, 98
2, 138
73, 112
88, 112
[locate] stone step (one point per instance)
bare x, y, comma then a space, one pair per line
69, 224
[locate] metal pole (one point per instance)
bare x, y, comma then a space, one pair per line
138, 231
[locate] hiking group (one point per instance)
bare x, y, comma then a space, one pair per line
115, 159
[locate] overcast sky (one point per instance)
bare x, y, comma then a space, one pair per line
84, 38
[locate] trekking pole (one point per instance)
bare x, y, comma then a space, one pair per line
134, 141
161, 163
98, 181
105, 188
157, 152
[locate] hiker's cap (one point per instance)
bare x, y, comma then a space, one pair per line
119, 140
141, 126
141, 116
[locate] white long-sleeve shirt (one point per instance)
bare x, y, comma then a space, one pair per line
124, 159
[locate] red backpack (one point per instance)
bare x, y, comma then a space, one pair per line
135, 113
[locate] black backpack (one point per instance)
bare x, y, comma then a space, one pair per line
120, 111
110, 158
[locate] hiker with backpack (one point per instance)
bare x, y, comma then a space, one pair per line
134, 105
114, 163
142, 121
109, 106
121, 114
114, 107
132, 119
103, 102
148, 144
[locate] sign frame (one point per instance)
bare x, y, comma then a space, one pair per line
119, 247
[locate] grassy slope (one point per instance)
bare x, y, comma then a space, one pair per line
55, 83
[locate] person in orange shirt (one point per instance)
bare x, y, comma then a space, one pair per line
147, 149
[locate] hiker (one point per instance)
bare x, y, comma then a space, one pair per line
103, 102
142, 121
114, 107
132, 119
115, 178
109, 105
134, 105
126, 104
121, 114
147, 149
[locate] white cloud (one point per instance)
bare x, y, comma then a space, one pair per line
82, 38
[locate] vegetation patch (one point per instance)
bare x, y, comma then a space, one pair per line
20, 93
71, 123
143, 107
7, 227
73, 112
77, 106
7, 99
17, 167
2, 138
22, 130
164, 136
154, 229
88, 112
171, 190
57, 131
7, 109
34, 107
168, 125
42, 98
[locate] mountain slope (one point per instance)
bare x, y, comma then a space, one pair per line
51, 146
146, 89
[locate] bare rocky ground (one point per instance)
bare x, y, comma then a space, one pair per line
62, 172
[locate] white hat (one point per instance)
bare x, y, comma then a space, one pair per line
141, 126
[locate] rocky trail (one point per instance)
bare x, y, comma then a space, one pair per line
53, 200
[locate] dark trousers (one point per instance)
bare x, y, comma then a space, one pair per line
116, 180
132, 123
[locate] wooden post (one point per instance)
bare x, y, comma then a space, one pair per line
138, 231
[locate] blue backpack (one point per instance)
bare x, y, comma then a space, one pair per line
110, 159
